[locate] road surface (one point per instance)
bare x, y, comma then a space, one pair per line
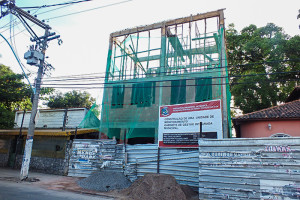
28, 191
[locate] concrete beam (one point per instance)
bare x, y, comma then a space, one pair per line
217, 13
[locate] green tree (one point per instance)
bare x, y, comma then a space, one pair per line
254, 54
14, 94
70, 99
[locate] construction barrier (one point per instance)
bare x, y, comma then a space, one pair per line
260, 168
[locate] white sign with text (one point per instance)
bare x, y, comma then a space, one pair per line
179, 125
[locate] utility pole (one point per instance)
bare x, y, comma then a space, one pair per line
30, 134
35, 56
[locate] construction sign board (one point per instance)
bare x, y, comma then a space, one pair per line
179, 125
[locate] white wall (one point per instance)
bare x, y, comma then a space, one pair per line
47, 118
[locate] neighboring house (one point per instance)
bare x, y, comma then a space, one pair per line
53, 118
53, 135
277, 121
172, 62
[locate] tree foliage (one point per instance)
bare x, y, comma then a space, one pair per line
14, 94
70, 100
258, 57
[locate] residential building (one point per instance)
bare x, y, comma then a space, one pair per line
278, 121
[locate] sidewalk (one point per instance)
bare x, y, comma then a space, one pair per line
49, 181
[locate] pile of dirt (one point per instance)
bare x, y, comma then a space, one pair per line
158, 186
105, 181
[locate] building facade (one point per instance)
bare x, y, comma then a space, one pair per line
172, 62
277, 121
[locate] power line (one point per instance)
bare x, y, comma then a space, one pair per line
9, 23
75, 75
13, 42
70, 13
145, 81
36, 13
58, 4
18, 61
81, 77
169, 86
167, 80
87, 10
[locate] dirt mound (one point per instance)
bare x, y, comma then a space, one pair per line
157, 186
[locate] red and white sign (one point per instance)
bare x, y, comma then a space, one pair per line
179, 125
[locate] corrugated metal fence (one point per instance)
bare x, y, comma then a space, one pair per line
88, 156
249, 169
180, 163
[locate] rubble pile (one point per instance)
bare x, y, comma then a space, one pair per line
105, 181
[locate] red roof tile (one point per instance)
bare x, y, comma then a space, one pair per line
284, 111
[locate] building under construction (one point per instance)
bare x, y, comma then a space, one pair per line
171, 62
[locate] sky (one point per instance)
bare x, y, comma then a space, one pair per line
85, 35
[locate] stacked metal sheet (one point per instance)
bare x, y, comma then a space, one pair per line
88, 156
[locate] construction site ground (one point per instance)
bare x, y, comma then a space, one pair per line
48, 186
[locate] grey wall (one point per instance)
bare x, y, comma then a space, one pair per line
3, 160
5, 145
46, 164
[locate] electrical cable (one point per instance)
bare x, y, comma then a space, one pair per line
121, 2
72, 13
12, 39
87, 10
159, 81
58, 4
49, 82
36, 12
69, 78
8, 24
169, 86
18, 62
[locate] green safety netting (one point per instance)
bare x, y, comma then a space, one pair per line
146, 70
91, 120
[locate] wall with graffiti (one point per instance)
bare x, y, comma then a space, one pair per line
267, 168
88, 156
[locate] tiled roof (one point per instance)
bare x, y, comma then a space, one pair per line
284, 111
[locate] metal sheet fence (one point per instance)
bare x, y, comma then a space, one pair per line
180, 163
88, 156
249, 168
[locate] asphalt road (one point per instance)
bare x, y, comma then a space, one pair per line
27, 191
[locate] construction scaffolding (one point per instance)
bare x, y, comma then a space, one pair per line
171, 62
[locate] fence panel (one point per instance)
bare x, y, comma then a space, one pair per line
180, 163
261, 168
88, 156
